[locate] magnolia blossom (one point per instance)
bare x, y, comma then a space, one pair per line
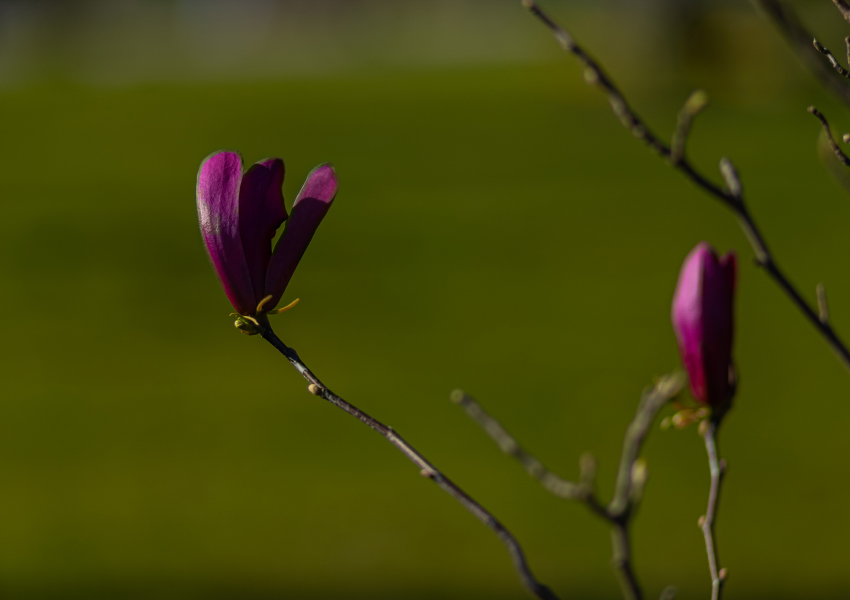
239, 213
703, 321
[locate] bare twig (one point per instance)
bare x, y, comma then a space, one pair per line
800, 40
717, 467
832, 60
828, 132
631, 475
428, 470
731, 197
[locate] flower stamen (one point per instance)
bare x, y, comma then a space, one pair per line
285, 308
263, 303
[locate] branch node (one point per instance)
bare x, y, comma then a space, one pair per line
701, 522
314, 389
722, 574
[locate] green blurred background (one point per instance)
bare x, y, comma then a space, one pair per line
496, 229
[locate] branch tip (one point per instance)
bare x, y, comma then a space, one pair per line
697, 101
827, 132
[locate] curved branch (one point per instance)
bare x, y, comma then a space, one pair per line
427, 469
631, 475
732, 196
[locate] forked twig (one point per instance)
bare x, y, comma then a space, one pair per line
731, 196
427, 469
631, 475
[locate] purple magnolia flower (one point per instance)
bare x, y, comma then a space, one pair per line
703, 321
239, 213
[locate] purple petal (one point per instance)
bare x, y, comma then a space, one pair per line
217, 196
308, 210
703, 321
261, 212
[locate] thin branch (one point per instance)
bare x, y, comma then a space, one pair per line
832, 60
717, 467
828, 132
631, 475
732, 197
800, 40
426, 468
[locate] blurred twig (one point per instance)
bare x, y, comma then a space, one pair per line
832, 60
731, 196
828, 132
800, 40
717, 467
428, 470
631, 476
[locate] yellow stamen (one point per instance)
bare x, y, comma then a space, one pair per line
285, 308
263, 303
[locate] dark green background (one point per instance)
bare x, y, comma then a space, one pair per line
496, 229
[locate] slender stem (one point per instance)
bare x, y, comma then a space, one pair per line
732, 197
717, 467
622, 560
631, 475
426, 468
842, 158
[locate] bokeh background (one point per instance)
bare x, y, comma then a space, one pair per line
496, 229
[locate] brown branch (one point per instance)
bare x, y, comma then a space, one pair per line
832, 60
828, 132
426, 469
732, 197
717, 467
631, 475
